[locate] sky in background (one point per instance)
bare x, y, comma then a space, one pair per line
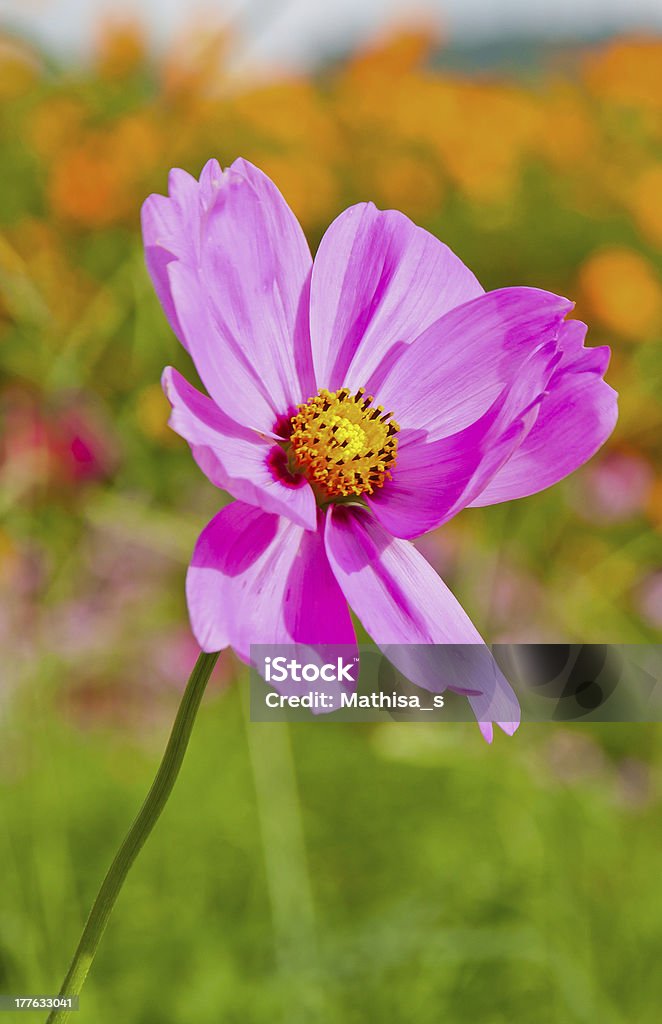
297, 33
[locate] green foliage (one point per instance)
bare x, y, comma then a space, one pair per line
449, 880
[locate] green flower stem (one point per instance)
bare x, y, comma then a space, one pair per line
143, 824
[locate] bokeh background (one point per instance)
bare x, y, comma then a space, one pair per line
319, 872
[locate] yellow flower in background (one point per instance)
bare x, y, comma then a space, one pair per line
654, 504
424, 105
38, 282
8, 554
55, 123
20, 67
152, 412
567, 135
286, 113
483, 143
621, 289
137, 141
396, 179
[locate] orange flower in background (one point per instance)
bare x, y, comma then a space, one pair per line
374, 88
627, 72
95, 183
397, 52
195, 66
479, 132
121, 47
621, 289
85, 188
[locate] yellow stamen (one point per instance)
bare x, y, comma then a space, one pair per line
343, 444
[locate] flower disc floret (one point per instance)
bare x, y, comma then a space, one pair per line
344, 445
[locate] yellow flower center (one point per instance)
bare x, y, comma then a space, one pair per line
343, 444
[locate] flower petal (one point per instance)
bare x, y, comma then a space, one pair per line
231, 267
575, 418
256, 264
400, 600
456, 369
433, 480
236, 459
378, 281
171, 231
226, 373
256, 578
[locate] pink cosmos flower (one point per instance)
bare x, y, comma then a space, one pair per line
355, 403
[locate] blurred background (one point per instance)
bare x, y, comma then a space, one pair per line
326, 872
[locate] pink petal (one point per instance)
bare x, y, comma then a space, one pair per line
255, 265
487, 730
378, 282
226, 372
575, 418
433, 480
171, 231
256, 578
235, 459
231, 267
456, 369
400, 600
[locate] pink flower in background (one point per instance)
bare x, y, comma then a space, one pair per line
650, 599
356, 402
61, 445
616, 488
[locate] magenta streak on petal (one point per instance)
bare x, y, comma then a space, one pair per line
255, 266
451, 375
401, 601
256, 578
575, 418
433, 480
231, 267
234, 458
487, 730
378, 281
